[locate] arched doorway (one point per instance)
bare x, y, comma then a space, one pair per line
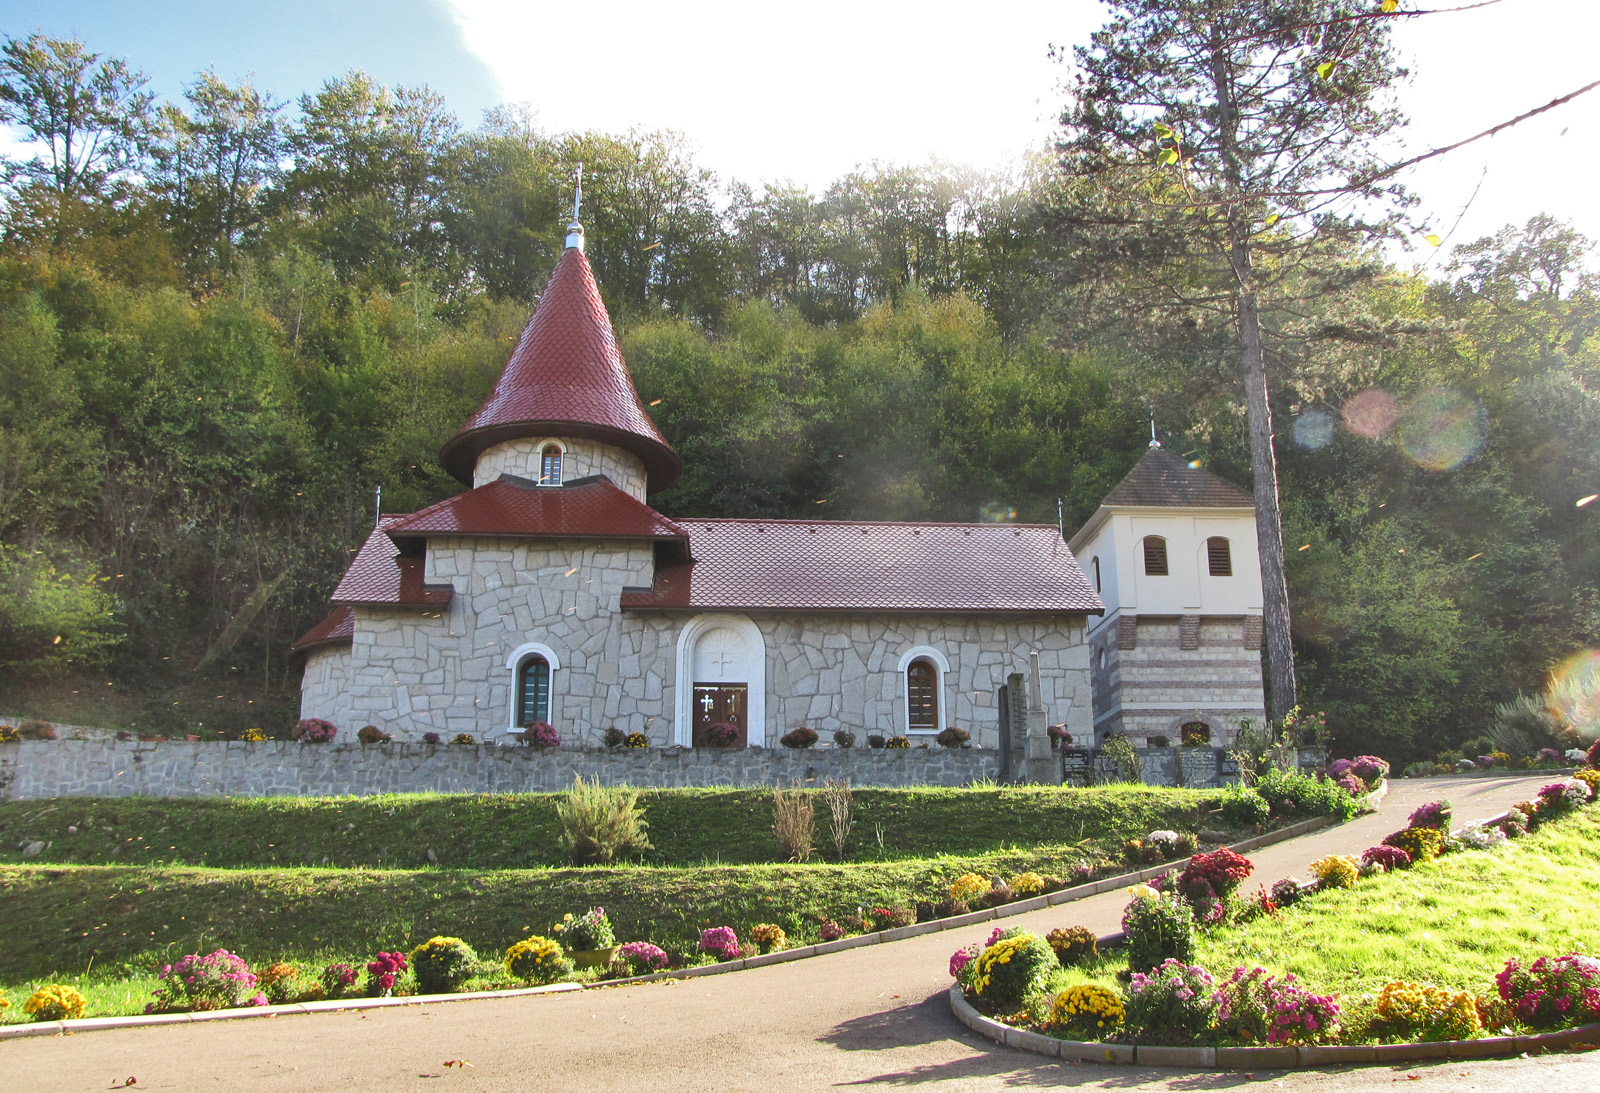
722, 668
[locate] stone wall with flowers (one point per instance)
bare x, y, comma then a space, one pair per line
33, 769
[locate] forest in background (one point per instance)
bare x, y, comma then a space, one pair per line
224, 322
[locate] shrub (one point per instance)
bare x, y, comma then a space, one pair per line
1223, 869
1244, 807
1291, 793
1514, 823
9, 735
949, 908
1434, 814
1478, 835
1390, 857
55, 1002
253, 736
337, 979
613, 737
723, 734
601, 823
589, 931
768, 937
830, 930
1421, 1011
279, 982
383, 971
953, 737
721, 942
843, 738
1287, 892
794, 823
1553, 991
1010, 970
889, 918
1336, 871
218, 980
37, 730
1370, 769
541, 734
1087, 1011
1548, 755
1117, 749
442, 964
897, 742
1027, 884
1422, 843
1195, 734
1073, 945
636, 740
1159, 928
1561, 797
1174, 1004
1590, 778
431, 738
1158, 742
801, 737
876, 740
642, 958
999, 893
468, 738
1255, 1007
1593, 756
371, 734
961, 962
313, 730
540, 960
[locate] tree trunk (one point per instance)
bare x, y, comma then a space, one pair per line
1269, 517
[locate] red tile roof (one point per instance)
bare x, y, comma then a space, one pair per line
806, 565
381, 574
565, 378
337, 628
588, 508
1160, 480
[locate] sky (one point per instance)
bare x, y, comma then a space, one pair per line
805, 93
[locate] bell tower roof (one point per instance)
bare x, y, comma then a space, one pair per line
566, 378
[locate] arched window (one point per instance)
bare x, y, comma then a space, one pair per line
1155, 556
533, 690
1096, 562
922, 696
550, 465
1217, 554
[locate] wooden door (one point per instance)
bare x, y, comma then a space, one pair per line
718, 702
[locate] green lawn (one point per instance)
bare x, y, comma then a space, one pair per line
689, 827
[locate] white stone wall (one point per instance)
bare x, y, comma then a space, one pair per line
1155, 687
581, 458
842, 671
411, 672
325, 687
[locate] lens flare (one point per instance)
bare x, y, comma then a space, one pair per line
1314, 429
1371, 413
1573, 696
996, 513
1441, 429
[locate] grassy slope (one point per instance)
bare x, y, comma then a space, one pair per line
517, 831
1453, 922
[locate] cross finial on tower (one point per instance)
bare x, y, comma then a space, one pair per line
575, 229
1154, 443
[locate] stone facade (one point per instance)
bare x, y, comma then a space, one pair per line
410, 672
37, 769
1154, 674
579, 459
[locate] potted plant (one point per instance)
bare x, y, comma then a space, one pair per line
799, 738
723, 734
953, 737
541, 734
313, 730
589, 940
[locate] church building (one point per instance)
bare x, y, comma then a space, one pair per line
550, 590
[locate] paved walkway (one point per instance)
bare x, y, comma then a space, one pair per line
872, 1017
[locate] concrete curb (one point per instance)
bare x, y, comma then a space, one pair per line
956, 922
1264, 1058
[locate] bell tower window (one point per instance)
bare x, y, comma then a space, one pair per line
1155, 556
550, 465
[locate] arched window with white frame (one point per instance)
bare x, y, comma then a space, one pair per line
922, 673
533, 694
550, 458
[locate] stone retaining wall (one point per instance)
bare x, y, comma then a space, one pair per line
33, 769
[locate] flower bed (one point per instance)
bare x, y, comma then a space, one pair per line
1175, 1002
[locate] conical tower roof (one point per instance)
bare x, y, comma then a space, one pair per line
565, 378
